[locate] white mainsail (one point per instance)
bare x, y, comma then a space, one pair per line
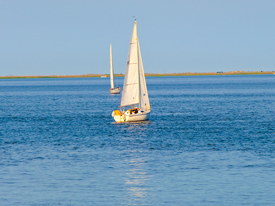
111, 69
134, 87
130, 92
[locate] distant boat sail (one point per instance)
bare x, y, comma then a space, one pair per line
134, 93
113, 90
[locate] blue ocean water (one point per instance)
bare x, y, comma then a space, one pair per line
210, 141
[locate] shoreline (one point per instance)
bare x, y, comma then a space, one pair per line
146, 74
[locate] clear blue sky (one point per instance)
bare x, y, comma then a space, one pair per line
59, 37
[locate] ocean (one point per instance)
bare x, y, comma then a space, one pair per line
210, 140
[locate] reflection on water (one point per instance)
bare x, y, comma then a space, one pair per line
136, 183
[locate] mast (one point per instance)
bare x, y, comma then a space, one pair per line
137, 66
111, 68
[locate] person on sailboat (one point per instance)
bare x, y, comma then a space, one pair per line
117, 112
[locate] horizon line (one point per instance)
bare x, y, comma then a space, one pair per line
146, 74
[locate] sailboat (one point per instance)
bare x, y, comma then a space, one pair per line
134, 94
113, 90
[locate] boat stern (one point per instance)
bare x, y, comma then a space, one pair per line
118, 116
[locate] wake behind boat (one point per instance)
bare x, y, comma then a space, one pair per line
134, 93
113, 90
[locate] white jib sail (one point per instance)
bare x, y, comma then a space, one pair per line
144, 99
111, 69
130, 92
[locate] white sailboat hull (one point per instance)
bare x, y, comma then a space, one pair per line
115, 91
137, 117
142, 116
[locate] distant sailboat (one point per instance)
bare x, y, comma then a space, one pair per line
113, 90
134, 93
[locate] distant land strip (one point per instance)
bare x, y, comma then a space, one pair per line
146, 74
